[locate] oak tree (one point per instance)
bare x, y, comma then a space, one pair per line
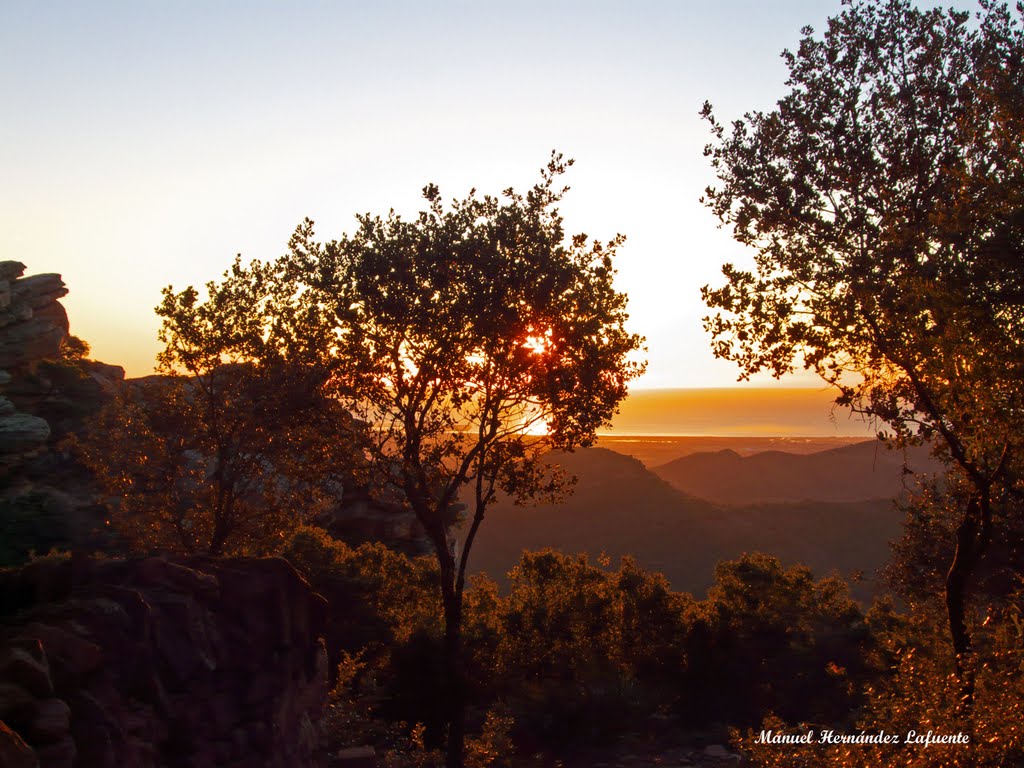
884, 199
471, 340
238, 439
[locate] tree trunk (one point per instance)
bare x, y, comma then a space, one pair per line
971, 541
956, 583
456, 699
220, 535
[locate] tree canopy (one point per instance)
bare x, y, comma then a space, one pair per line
238, 439
471, 339
883, 197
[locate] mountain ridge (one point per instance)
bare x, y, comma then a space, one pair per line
850, 473
620, 507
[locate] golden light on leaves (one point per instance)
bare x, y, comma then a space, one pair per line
538, 343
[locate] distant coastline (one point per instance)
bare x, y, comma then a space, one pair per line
778, 412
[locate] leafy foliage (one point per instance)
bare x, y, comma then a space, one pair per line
378, 597
586, 653
238, 440
921, 695
884, 198
466, 342
576, 653
773, 639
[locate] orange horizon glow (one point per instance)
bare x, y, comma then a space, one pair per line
735, 412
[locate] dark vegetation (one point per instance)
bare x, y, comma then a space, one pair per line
379, 359
574, 654
883, 200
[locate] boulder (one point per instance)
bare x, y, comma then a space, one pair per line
27, 669
356, 757
33, 323
37, 291
11, 270
152, 662
47, 498
718, 752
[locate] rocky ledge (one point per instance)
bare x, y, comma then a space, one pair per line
152, 662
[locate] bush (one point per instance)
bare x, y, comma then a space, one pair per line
772, 639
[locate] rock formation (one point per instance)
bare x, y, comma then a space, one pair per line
140, 663
46, 499
365, 514
34, 323
36, 374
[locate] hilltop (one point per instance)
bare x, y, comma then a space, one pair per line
857, 472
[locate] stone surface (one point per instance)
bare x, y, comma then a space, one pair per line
21, 433
11, 270
718, 752
33, 323
50, 722
146, 663
27, 667
38, 290
110, 378
356, 757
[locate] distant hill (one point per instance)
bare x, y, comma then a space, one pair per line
857, 472
622, 508
655, 450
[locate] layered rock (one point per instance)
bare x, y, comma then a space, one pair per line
141, 663
21, 434
46, 498
33, 324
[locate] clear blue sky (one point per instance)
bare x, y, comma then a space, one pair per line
146, 143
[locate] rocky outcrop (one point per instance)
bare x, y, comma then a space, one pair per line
47, 499
362, 514
33, 324
140, 663
20, 433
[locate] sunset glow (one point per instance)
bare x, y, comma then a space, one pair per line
146, 145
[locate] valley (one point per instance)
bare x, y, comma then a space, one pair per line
679, 505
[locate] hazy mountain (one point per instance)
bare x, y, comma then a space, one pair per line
655, 450
622, 508
866, 470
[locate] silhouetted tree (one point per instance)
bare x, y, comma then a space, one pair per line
884, 196
471, 339
238, 440
774, 639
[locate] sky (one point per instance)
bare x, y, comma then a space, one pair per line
144, 144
